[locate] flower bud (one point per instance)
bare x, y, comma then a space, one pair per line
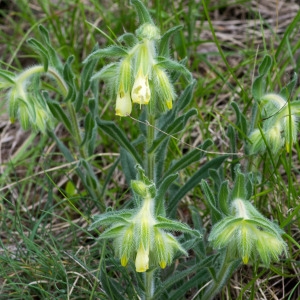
148, 31
139, 187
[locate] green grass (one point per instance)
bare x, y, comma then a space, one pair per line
46, 251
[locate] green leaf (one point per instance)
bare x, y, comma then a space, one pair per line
107, 72
266, 225
111, 52
118, 135
200, 247
161, 194
171, 225
288, 90
186, 97
7, 76
164, 47
290, 28
144, 16
128, 165
222, 278
259, 84
86, 75
90, 178
110, 218
178, 276
69, 78
176, 126
58, 112
223, 198
111, 232
53, 57
216, 215
89, 126
172, 65
239, 190
110, 286
186, 160
195, 179
41, 50
241, 122
128, 38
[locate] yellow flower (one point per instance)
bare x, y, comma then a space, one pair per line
142, 260
141, 91
123, 104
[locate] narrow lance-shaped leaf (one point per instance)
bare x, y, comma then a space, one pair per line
107, 72
202, 173
58, 112
186, 97
111, 232
175, 127
191, 157
164, 48
239, 188
223, 197
172, 65
161, 193
8, 76
53, 57
142, 11
41, 50
259, 84
110, 218
89, 125
215, 212
288, 90
69, 78
171, 225
128, 38
118, 135
111, 51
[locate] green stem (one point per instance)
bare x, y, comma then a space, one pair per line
76, 131
150, 171
225, 271
149, 285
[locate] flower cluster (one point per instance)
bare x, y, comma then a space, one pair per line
24, 100
141, 73
280, 125
141, 236
248, 234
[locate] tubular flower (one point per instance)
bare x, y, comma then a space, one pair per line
142, 259
164, 87
123, 104
141, 93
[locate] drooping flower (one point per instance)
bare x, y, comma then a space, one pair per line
142, 259
123, 104
140, 92
164, 87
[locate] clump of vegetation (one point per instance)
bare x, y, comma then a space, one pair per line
145, 161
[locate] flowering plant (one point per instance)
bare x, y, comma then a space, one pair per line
150, 247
